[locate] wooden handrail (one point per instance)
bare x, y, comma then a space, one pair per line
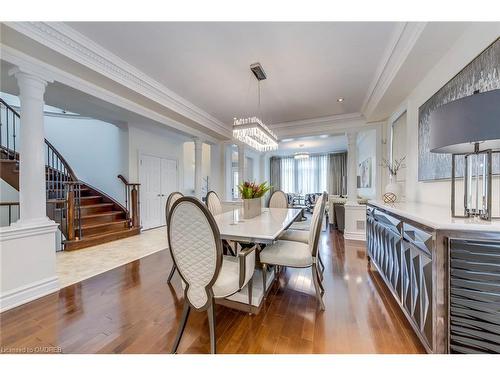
125, 181
9, 107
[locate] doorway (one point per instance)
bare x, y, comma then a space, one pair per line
158, 178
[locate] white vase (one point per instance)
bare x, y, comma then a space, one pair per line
251, 208
394, 188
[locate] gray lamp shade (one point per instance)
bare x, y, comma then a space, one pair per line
456, 126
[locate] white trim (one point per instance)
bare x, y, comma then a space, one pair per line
74, 45
404, 39
28, 293
19, 230
357, 236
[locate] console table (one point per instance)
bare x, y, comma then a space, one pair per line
443, 272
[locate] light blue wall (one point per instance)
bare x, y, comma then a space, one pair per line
97, 151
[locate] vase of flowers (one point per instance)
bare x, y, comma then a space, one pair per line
392, 192
252, 194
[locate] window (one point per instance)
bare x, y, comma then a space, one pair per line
304, 176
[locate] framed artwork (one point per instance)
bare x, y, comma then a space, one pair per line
480, 75
365, 174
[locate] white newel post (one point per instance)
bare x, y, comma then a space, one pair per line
28, 247
198, 144
355, 214
32, 197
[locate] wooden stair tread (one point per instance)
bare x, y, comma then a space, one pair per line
102, 214
91, 197
98, 225
97, 205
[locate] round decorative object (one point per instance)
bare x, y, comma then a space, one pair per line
393, 188
390, 197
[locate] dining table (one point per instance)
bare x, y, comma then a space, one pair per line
260, 230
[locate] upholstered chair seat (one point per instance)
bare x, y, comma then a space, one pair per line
296, 235
287, 253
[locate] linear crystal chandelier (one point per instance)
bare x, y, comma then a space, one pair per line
251, 130
255, 133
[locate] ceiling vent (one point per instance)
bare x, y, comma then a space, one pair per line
258, 71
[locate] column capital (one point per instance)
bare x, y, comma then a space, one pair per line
351, 135
30, 85
197, 142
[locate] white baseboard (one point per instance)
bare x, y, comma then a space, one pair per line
27, 293
357, 236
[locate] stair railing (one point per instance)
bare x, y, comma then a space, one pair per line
73, 219
9, 206
132, 202
9, 128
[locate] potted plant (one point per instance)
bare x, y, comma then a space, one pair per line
251, 193
393, 189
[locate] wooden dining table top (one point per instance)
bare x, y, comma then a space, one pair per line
264, 228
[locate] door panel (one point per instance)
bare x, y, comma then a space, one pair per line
168, 182
150, 179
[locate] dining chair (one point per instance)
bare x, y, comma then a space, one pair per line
278, 200
295, 254
172, 198
214, 205
196, 248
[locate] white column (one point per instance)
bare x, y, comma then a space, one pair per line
352, 170
32, 197
198, 144
355, 214
241, 163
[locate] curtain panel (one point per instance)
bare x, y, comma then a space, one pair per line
337, 173
275, 173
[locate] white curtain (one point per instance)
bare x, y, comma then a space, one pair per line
304, 176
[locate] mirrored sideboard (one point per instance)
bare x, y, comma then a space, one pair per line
443, 273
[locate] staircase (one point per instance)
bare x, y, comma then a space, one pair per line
86, 215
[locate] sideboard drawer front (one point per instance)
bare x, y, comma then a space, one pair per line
422, 239
474, 296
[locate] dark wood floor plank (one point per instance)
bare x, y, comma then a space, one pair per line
131, 309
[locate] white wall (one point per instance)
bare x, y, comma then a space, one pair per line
367, 149
471, 44
95, 150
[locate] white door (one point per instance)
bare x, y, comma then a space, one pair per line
168, 182
150, 180
158, 178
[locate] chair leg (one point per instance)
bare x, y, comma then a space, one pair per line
264, 281
322, 266
317, 287
250, 292
171, 274
180, 331
211, 326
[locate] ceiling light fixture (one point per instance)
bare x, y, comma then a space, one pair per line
301, 155
324, 136
340, 100
251, 130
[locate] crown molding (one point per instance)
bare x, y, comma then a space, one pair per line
404, 39
336, 124
72, 44
18, 58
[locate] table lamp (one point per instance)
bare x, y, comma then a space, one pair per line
469, 127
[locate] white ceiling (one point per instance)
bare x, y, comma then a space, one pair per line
312, 144
309, 65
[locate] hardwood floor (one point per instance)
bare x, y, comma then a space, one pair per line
132, 309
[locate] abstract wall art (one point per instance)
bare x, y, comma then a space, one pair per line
480, 75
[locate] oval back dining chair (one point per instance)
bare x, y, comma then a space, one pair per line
278, 200
172, 198
298, 254
213, 203
196, 248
